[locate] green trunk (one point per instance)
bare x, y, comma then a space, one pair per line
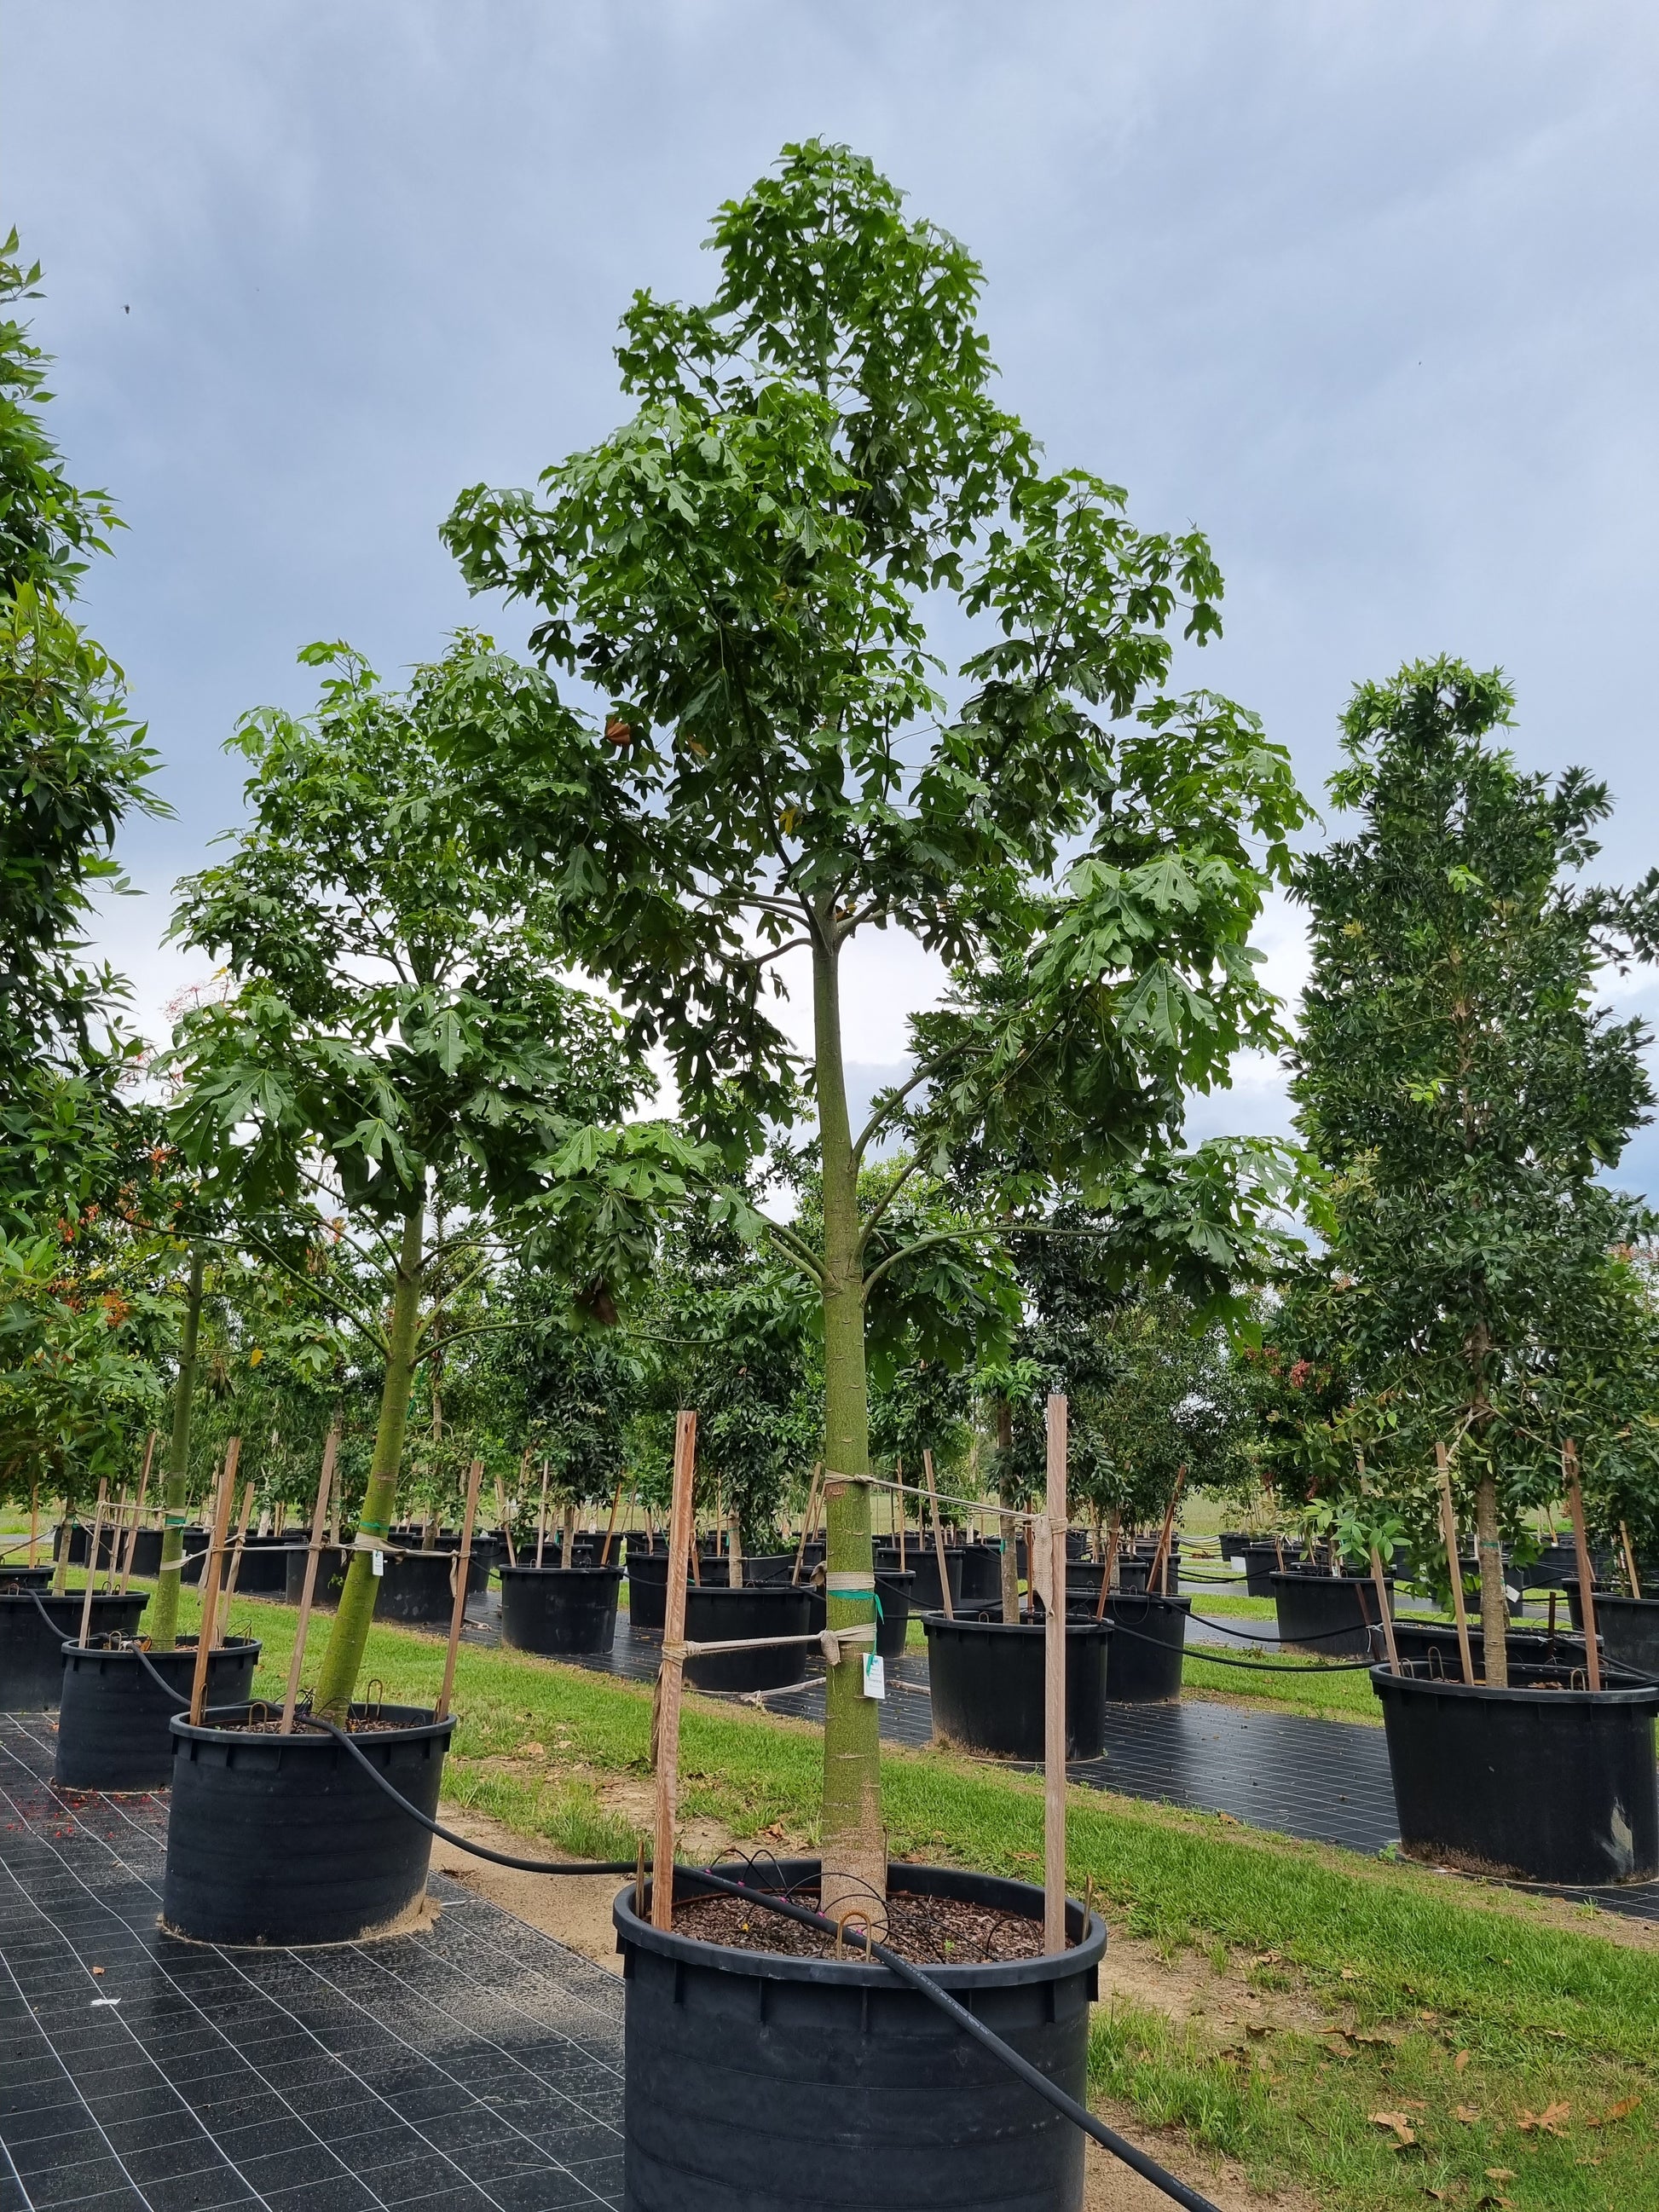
1494, 1605
853, 1841
175, 1496
343, 1655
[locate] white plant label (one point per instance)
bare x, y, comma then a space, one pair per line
379, 1559
875, 1675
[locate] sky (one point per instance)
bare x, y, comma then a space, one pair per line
1363, 288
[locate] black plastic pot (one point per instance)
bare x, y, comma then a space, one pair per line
1231, 1542
1329, 1615
757, 2082
1629, 1631
647, 1589
112, 1731
923, 1561
284, 1839
985, 1677
12, 1579
1432, 1645
264, 1570
1143, 1666
716, 1612
1540, 1781
892, 1624
981, 1576
32, 1646
79, 1536
416, 1590
554, 1610
1261, 1562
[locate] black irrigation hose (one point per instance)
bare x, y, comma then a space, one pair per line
1108, 2138
1262, 1666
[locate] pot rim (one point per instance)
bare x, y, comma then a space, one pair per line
1081, 1629
834, 1973
725, 1590
1176, 1602
1633, 1694
140, 1598
227, 1647
422, 1730
564, 1574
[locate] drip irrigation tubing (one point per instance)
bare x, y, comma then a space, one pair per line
1080, 2115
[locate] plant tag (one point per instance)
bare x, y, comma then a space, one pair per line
378, 1562
875, 1675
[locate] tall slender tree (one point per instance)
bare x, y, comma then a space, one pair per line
1464, 1092
741, 576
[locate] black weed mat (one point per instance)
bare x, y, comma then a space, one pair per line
476, 2067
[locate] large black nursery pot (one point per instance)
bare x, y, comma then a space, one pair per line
923, 1561
892, 1622
12, 1579
1629, 1631
417, 1590
33, 1630
759, 2083
647, 1589
717, 1614
284, 1839
981, 1575
1135, 1572
1261, 1563
1329, 1615
1143, 1666
559, 1610
78, 1536
1432, 1646
1541, 1781
986, 1679
1231, 1542
112, 1731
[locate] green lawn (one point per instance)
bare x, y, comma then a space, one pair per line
1399, 1974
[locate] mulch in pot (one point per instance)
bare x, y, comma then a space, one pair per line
928, 1931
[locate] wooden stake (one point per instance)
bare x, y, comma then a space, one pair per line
210, 1574
34, 1519
938, 1538
137, 1511
1630, 1561
313, 1554
92, 1567
112, 1558
234, 1576
458, 1610
611, 1525
541, 1518
1449, 1534
1380, 1582
1053, 1688
671, 1680
734, 1552
1581, 1544
568, 1535
806, 1520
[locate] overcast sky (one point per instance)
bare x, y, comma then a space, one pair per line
1364, 288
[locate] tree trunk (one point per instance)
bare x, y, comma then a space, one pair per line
1494, 1605
164, 1606
1009, 1528
851, 1839
343, 1656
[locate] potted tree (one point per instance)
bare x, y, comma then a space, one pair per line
1463, 1090
815, 459
394, 1076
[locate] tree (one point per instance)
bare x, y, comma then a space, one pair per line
396, 1078
73, 764
1463, 1090
741, 573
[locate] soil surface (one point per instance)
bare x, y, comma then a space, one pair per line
929, 1931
